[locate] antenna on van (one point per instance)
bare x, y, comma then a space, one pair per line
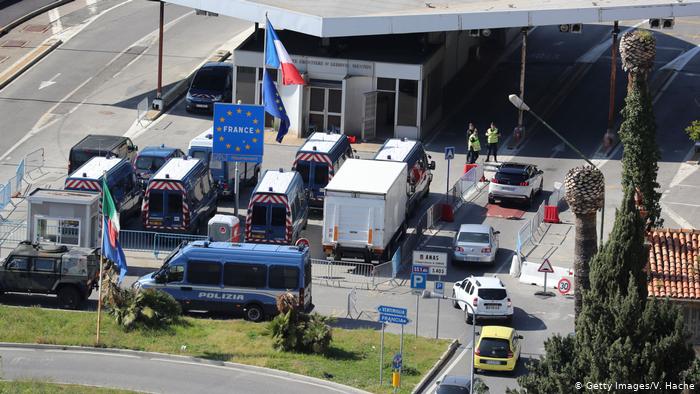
210, 136
269, 189
388, 157
84, 174
313, 148
167, 176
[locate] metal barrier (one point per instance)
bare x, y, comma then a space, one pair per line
530, 230
557, 194
138, 241
5, 195
34, 161
165, 242
343, 273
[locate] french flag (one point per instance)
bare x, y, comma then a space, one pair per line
277, 56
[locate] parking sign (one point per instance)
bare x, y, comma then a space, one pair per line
418, 280
440, 287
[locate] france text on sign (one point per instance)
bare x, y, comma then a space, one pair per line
420, 269
440, 271
546, 267
449, 152
418, 280
421, 257
391, 310
393, 319
239, 132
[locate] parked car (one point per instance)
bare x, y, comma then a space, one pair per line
475, 242
151, 159
487, 295
212, 83
497, 349
453, 385
516, 181
71, 274
100, 145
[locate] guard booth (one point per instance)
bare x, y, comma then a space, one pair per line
65, 217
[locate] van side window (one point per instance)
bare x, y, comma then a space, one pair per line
199, 190
176, 273
245, 275
18, 264
283, 277
203, 273
44, 264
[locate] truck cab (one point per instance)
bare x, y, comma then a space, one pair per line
71, 274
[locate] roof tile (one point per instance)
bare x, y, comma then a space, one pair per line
673, 267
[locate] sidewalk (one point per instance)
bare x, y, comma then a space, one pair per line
556, 244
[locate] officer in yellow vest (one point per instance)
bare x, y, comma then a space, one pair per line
473, 145
492, 135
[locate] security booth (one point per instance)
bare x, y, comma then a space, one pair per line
66, 217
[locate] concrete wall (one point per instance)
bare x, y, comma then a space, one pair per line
353, 103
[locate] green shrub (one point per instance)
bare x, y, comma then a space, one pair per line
693, 130
295, 331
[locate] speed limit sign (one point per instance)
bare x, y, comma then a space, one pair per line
564, 286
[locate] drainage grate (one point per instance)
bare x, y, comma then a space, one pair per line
13, 44
36, 28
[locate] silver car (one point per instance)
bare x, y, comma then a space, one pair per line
475, 242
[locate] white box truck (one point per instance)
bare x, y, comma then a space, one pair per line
364, 211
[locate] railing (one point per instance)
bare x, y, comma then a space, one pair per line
342, 273
530, 231
13, 187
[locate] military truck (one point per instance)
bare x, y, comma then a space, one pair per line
71, 274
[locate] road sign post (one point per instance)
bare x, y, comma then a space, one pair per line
439, 289
390, 314
449, 155
546, 268
564, 286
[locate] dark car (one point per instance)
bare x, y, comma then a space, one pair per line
212, 83
69, 273
453, 385
151, 159
100, 145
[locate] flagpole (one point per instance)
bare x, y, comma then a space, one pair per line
102, 260
262, 98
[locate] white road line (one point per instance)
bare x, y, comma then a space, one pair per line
682, 203
55, 20
91, 353
16, 349
675, 217
466, 350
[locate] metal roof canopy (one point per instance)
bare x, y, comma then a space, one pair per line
341, 18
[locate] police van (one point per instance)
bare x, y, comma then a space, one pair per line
318, 160
233, 277
278, 209
413, 154
223, 173
179, 197
121, 181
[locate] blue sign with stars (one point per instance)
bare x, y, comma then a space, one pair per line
239, 132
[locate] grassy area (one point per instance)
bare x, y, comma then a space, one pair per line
32, 387
352, 360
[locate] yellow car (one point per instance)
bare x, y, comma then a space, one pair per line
498, 349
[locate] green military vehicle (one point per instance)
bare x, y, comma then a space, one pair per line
71, 274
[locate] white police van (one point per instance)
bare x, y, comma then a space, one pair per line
233, 277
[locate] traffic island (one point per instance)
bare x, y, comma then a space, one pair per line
353, 358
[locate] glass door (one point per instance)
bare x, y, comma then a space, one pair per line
325, 109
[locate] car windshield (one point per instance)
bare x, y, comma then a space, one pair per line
511, 178
149, 163
477, 238
452, 389
210, 78
492, 294
494, 347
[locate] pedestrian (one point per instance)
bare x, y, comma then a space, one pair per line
492, 136
473, 145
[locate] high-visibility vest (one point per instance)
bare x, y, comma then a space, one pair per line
474, 143
492, 135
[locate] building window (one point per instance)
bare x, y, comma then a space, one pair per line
57, 231
388, 84
245, 84
408, 94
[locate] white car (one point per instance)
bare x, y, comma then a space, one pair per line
475, 242
515, 181
487, 296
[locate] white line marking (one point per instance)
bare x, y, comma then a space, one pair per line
680, 61
90, 353
45, 84
682, 203
593, 54
55, 20
16, 349
467, 349
675, 217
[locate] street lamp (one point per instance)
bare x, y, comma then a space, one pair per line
430, 294
520, 104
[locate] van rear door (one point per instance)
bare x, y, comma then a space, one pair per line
268, 222
165, 208
315, 176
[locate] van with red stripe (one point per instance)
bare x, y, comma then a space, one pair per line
121, 180
180, 197
278, 209
318, 160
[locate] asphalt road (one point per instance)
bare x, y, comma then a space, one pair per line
152, 372
11, 10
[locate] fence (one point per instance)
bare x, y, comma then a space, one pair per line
13, 187
557, 194
458, 193
530, 231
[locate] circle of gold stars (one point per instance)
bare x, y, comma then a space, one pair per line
244, 144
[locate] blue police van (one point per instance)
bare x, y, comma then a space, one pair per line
151, 158
180, 197
318, 160
233, 277
121, 181
278, 209
223, 173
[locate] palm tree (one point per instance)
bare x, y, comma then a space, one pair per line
637, 51
585, 194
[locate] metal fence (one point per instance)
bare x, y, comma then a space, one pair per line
530, 231
13, 187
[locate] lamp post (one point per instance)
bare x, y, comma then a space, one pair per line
430, 294
520, 104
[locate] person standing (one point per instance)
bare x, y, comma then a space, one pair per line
473, 145
492, 135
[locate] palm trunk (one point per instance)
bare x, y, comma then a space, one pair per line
586, 245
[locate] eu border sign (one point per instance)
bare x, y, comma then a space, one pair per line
239, 132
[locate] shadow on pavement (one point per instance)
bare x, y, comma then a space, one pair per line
523, 321
355, 324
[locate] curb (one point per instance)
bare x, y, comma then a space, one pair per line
28, 61
422, 385
6, 29
203, 361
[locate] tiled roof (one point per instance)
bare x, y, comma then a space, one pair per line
673, 268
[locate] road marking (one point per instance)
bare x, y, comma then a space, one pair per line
680, 61
682, 203
16, 349
55, 20
92, 353
45, 84
675, 217
253, 372
465, 350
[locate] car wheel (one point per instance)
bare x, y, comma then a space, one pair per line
68, 297
468, 318
491, 200
455, 304
254, 313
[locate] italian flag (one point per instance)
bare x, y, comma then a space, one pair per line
111, 249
